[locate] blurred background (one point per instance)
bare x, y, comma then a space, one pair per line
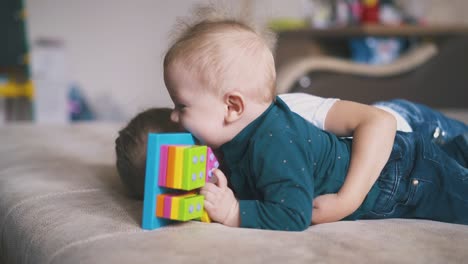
65, 61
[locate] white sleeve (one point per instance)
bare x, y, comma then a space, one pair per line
312, 108
402, 124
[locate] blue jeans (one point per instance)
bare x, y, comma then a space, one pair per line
421, 180
449, 134
428, 122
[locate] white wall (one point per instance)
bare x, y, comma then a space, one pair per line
114, 48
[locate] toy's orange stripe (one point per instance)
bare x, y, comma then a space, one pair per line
171, 164
160, 206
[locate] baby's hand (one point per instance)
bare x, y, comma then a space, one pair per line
327, 208
220, 202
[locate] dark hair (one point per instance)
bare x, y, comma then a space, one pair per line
130, 146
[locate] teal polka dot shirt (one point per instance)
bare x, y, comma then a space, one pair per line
278, 164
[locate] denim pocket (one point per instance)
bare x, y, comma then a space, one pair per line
388, 180
405, 198
397, 185
442, 165
423, 183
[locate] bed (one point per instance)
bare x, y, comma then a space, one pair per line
61, 201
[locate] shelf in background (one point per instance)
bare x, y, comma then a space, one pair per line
379, 30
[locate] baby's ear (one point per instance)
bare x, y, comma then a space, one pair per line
235, 106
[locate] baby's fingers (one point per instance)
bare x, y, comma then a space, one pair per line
209, 206
209, 187
209, 196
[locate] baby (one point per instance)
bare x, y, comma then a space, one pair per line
221, 78
130, 146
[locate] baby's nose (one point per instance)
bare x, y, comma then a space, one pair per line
175, 116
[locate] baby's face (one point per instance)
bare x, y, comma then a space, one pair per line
196, 109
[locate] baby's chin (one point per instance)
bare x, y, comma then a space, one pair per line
200, 141
209, 144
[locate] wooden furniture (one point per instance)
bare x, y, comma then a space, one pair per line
437, 76
333, 41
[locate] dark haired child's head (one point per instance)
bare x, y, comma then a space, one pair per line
130, 146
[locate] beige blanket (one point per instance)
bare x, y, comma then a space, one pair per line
62, 202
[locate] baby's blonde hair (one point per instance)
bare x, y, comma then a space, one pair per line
227, 55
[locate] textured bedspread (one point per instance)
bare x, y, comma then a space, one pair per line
62, 202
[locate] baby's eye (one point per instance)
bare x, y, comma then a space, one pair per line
180, 106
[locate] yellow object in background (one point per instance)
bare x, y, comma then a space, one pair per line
281, 24
370, 3
14, 89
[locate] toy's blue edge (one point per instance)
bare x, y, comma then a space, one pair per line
152, 190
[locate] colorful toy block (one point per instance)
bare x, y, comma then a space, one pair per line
211, 163
194, 173
163, 166
175, 166
180, 207
175, 156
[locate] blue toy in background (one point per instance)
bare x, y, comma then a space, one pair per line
373, 50
78, 107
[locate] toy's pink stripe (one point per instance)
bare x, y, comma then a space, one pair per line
211, 163
162, 166
167, 206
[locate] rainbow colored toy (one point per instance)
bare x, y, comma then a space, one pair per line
175, 168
